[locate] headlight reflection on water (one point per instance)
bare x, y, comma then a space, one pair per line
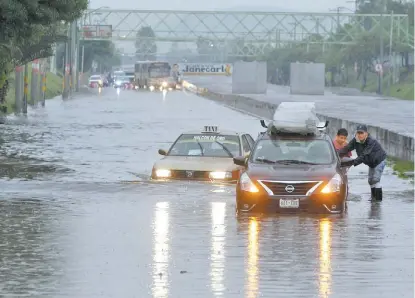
160, 288
252, 264
217, 254
325, 258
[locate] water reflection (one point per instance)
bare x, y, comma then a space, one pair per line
252, 264
375, 210
160, 287
217, 256
325, 258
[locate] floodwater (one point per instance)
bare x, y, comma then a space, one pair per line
79, 218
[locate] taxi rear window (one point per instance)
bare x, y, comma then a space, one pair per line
207, 145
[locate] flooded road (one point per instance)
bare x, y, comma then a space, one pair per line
79, 218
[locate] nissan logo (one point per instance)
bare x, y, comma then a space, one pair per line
289, 188
189, 174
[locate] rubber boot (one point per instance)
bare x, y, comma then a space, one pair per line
378, 194
373, 192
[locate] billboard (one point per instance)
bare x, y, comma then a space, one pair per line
97, 32
205, 68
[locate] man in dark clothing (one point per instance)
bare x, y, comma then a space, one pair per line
371, 153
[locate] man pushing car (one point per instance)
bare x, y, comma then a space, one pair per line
370, 153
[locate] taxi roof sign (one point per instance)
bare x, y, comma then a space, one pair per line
210, 129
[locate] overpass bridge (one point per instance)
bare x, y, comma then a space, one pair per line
238, 32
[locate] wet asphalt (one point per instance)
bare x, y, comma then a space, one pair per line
80, 218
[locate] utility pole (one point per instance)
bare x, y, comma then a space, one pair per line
71, 57
65, 92
381, 47
391, 60
26, 88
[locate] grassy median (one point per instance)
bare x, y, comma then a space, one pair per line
54, 84
402, 168
401, 90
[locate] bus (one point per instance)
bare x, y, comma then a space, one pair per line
154, 75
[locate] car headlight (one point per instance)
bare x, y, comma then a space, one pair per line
164, 84
163, 173
247, 184
220, 175
334, 185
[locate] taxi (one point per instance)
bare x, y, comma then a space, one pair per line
205, 155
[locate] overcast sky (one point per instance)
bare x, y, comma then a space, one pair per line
278, 5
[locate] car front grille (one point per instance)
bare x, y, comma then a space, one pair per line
279, 188
184, 174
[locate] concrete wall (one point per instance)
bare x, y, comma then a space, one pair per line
396, 145
307, 78
249, 78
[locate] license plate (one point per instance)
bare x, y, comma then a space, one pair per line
293, 203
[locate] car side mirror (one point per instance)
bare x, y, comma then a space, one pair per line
346, 162
162, 152
240, 161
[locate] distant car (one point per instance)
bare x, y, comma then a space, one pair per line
119, 73
167, 83
122, 82
95, 81
292, 171
203, 155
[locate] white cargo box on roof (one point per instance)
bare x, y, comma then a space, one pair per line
295, 117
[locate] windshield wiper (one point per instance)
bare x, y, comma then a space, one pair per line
224, 148
293, 161
201, 148
264, 160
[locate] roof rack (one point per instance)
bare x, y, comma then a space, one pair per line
295, 118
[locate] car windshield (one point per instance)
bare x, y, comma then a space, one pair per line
122, 79
293, 152
206, 145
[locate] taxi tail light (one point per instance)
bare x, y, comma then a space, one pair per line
333, 186
246, 184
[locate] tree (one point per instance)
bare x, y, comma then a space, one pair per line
30, 28
362, 50
145, 44
102, 51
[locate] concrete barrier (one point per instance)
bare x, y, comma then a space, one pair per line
249, 77
396, 145
307, 78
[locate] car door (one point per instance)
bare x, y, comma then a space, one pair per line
246, 147
250, 141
